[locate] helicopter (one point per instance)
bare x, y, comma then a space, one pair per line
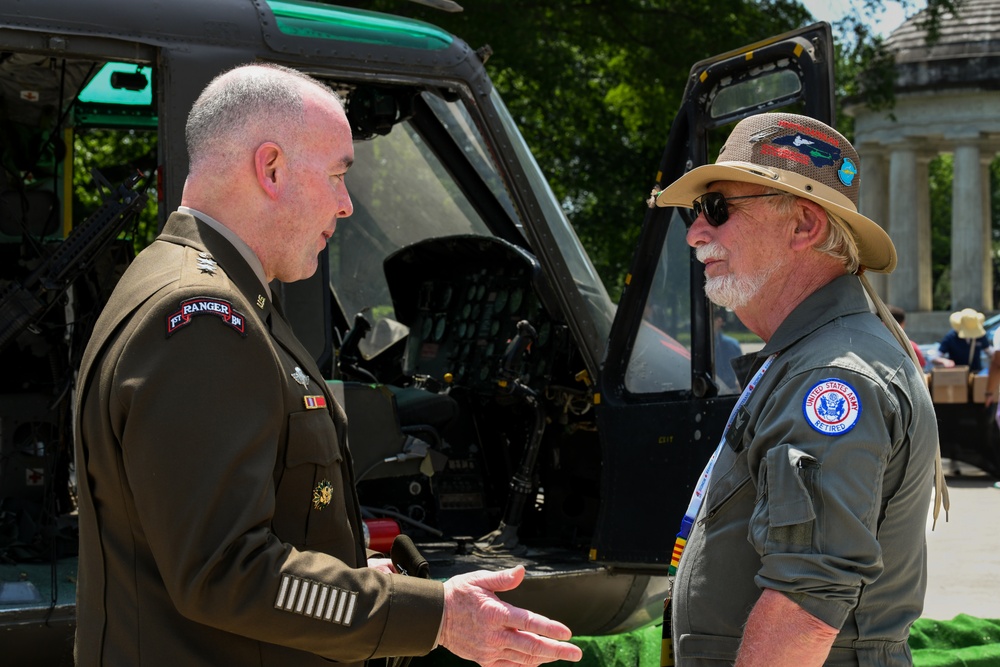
502, 408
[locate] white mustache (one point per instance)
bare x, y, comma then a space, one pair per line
709, 251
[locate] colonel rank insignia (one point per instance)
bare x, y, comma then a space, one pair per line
322, 494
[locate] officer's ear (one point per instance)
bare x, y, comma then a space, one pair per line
269, 167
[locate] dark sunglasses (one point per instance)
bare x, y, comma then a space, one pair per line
713, 205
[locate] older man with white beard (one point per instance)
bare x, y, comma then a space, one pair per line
804, 541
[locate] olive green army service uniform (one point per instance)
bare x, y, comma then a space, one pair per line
821, 491
218, 519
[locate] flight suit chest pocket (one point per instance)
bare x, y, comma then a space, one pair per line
310, 493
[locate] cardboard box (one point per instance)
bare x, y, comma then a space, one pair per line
978, 388
950, 385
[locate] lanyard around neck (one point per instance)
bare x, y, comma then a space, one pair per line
698, 497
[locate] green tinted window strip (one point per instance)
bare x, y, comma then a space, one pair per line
306, 19
99, 90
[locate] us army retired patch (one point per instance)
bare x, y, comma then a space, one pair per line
832, 407
203, 305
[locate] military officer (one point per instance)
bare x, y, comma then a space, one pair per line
218, 517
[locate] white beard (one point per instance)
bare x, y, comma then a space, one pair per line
732, 291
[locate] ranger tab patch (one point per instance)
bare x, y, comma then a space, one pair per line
204, 305
832, 407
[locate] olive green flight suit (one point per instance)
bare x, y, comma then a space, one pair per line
821, 491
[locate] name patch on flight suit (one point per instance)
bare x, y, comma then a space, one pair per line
203, 305
832, 407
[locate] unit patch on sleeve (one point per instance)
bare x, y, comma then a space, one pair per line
315, 599
203, 305
832, 407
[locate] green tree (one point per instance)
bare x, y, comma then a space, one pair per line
940, 172
115, 154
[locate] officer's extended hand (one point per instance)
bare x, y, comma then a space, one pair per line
479, 626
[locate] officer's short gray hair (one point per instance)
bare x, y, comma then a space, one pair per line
239, 103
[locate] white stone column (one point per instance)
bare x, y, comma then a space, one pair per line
904, 290
968, 219
925, 276
873, 203
985, 159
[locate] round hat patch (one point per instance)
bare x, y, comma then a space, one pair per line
832, 407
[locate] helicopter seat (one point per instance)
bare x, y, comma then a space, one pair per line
424, 411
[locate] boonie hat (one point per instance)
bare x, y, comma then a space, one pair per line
968, 322
801, 156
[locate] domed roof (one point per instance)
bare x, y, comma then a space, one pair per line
967, 53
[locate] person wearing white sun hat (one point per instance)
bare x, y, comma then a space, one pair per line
804, 541
965, 344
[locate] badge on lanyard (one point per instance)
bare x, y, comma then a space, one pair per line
734, 434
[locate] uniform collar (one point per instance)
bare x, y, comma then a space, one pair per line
249, 255
840, 297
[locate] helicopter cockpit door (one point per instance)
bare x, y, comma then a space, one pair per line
661, 406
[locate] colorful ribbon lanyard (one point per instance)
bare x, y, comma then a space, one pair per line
699, 491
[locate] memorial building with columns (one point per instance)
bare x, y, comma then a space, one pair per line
947, 100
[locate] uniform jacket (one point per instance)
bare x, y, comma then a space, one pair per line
218, 519
821, 491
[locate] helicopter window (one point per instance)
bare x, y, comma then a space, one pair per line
763, 88
118, 95
402, 193
455, 118
661, 357
585, 276
120, 83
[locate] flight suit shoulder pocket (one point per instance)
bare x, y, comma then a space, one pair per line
785, 512
790, 477
312, 439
